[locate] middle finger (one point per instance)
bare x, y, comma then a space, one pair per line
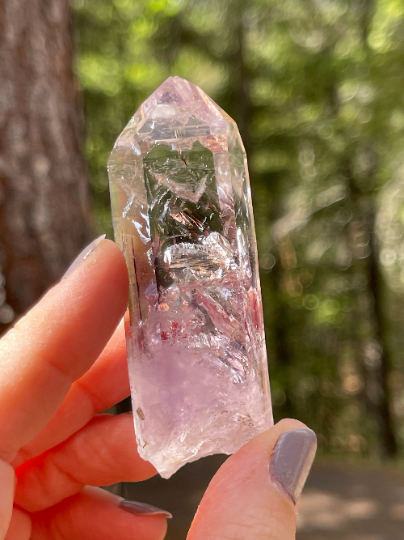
104, 452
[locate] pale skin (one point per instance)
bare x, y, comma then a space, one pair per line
60, 367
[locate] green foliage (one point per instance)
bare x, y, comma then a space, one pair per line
316, 89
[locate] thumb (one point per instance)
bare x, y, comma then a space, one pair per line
253, 495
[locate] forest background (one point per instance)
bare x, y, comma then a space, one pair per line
316, 88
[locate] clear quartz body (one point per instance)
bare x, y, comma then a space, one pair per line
182, 215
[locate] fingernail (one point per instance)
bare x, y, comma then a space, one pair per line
143, 509
292, 460
83, 255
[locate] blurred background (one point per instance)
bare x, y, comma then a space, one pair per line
316, 87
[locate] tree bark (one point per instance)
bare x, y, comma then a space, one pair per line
374, 354
383, 367
44, 195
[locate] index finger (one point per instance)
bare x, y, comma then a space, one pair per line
56, 342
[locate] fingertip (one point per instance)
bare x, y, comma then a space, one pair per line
84, 253
292, 459
102, 253
95, 513
256, 489
265, 442
106, 257
286, 424
114, 251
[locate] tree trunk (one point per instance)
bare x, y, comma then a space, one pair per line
44, 196
374, 354
383, 366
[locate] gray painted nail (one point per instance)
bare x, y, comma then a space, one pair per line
292, 460
83, 255
143, 509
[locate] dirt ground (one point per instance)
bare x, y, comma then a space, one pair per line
352, 503
340, 502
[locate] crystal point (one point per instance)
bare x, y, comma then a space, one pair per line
182, 216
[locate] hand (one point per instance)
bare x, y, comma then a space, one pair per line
59, 368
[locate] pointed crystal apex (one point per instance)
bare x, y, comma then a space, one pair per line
182, 215
181, 94
173, 91
175, 105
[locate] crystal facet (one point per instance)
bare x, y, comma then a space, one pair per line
182, 215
